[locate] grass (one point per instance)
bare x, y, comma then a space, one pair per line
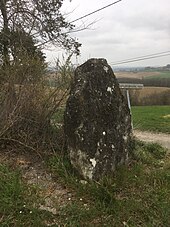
146, 118
18, 201
151, 118
138, 194
162, 75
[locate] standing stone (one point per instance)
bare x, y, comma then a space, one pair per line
97, 121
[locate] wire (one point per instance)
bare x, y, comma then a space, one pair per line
104, 7
142, 58
89, 14
149, 55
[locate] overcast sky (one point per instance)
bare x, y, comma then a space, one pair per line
128, 29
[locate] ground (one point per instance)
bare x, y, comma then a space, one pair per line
161, 138
34, 172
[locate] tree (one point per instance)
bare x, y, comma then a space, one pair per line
42, 20
21, 43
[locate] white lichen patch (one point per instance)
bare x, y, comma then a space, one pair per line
126, 119
81, 126
125, 138
106, 69
109, 89
113, 146
93, 161
80, 161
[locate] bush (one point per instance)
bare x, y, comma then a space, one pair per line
27, 106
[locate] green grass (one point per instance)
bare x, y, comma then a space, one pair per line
162, 75
138, 194
151, 118
146, 118
58, 117
19, 202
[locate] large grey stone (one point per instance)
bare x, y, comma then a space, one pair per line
97, 121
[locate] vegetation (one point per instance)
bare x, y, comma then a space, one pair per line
19, 202
158, 78
137, 195
30, 116
161, 75
42, 21
148, 96
152, 118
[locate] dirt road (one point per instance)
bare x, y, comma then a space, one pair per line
161, 138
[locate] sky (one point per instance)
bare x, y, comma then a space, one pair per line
128, 29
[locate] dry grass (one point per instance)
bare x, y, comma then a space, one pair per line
150, 91
136, 75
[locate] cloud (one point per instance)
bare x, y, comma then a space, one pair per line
128, 29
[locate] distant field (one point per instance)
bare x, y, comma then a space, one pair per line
146, 92
138, 75
151, 118
162, 75
145, 74
148, 78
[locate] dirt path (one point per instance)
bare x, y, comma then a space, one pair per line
161, 138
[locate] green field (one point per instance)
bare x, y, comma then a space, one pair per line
151, 118
162, 75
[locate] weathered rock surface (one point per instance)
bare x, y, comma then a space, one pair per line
97, 121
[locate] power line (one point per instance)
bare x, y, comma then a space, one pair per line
142, 58
89, 14
149, 55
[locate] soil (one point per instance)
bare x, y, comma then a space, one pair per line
161, 138
34, 172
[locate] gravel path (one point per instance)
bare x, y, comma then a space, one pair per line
161, 138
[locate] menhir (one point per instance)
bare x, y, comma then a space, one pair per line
97, 121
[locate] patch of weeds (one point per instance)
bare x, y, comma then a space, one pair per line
19, 202
62, 167
58, 116
147, 153
157, 151
137, 194
77, 214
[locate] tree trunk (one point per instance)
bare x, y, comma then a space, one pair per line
5, 33
11, 95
